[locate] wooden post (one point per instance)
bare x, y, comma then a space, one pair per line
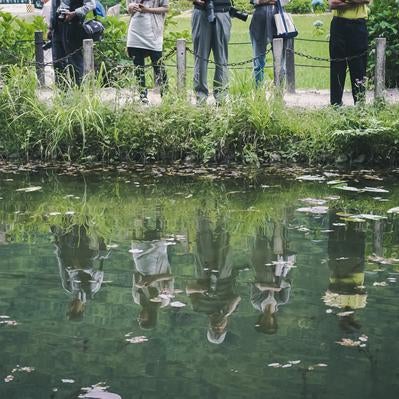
379, 77
278, 62
290, 63
39, 57
88, 56
181, 64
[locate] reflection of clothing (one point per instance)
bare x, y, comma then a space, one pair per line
151, 259
346, 247
80, 262
260, 299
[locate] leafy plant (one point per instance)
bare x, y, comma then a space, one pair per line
384, 22
299, 7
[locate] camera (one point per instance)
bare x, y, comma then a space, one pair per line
47, 45
241, 15
61, 13
210, 11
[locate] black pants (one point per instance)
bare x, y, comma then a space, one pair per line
348, 38
67, 51
138, 55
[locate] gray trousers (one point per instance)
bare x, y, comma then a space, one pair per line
206, 37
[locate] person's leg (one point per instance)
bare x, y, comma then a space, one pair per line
219, 44
337, 68
138, 57
58, 55
73, 43
257, 33
161, 78
201, 33
358, 65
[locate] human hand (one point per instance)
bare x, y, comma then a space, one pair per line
133, 7
49, 34
69, 16
143, 8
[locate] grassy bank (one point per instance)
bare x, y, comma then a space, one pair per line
247, 129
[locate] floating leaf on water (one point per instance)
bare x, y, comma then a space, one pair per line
137, 340
370, 216
319, 210
54, 213
285, 366
375, 190
328, 311
314, 201
294, 361
391, 279
177, 304
362, 345
363, 338
156, 300
393, 210
344, 314
354, 219
326, 231
188, 196
348, 342
97, 393
112, 246
310, 368
135, 251
332, 198
67, 381
311, 178
339, 224
4, 317
336, 182
380, 284
9, 378
29, 189
321, 365
380, 260
275, 365
348, 188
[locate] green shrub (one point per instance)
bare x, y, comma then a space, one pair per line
299, 7
384, 22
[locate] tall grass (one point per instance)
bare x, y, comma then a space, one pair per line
75, 125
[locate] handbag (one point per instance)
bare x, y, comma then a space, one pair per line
285, 27
93, 29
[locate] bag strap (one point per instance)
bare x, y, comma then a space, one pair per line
281, 12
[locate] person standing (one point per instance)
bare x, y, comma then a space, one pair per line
211, 35
145, 39
348, 48
261, 31
66, 34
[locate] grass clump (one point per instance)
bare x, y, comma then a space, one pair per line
76, 125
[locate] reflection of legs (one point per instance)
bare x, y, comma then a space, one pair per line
201, 33
161, 78
219, 43
337, 68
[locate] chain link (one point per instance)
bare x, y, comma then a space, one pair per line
232, 64
315, 58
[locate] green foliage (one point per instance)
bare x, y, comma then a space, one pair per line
16, 38
299, 7
78, 125
384, 22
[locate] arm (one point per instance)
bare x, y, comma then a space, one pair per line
338, 4
81, 12
155, 10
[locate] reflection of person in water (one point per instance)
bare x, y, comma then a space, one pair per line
272, 262
346, 247
152, 277
80, 262
213, 291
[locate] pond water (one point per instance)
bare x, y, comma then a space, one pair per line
157, 283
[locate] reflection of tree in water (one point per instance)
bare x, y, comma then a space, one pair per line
272, 262
213, 291
346, 291
80, 261
153, 283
